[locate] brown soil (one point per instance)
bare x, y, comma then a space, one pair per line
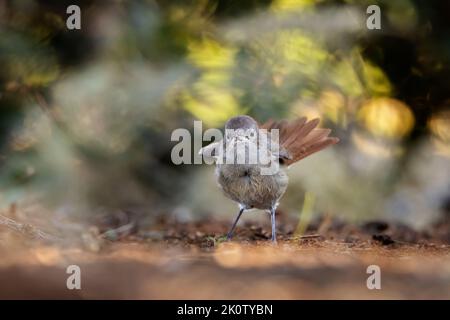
173, 260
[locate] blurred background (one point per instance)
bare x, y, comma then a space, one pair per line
86, 115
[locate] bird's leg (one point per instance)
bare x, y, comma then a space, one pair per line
230, 233
272, 220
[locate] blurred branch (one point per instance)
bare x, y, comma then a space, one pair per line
26, 229
42, 103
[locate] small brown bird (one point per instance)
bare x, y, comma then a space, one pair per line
244, 180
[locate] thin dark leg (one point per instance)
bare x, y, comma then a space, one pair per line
230, 233
272, 220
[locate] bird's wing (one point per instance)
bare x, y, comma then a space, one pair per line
299, 138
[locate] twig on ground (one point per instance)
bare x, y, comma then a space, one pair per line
310, 236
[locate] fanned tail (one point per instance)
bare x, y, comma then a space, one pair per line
300, 138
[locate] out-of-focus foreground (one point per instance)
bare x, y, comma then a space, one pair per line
189, 261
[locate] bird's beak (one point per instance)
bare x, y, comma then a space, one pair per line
240, 138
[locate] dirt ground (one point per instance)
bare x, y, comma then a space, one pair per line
173, 260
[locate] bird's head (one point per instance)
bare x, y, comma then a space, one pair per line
241, 128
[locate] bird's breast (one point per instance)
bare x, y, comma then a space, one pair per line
246, 185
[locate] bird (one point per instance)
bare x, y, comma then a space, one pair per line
240, 170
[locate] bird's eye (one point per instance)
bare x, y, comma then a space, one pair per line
252, 134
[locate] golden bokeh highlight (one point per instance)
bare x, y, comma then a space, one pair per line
386, 117
332, 105
209, 53
377, 82
210, 98
439, 125
291, 5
